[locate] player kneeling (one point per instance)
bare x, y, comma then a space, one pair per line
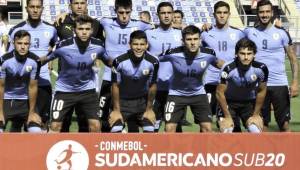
18, 86
242, 89
134, 77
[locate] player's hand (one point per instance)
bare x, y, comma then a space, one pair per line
34, 117
277, 22
206, 27
115, 116
96, 69
2, 119
61, 18
294, 90
225, 124
257, 120
150, 115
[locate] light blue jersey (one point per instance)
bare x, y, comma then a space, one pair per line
270, 51
43, 37
188, 71
159, 42
76, 72
117, 38
223, 42
242, 85
17, 73
134, 78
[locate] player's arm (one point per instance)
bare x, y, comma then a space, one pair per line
115, 115
5, 40
220, 95
32, 95
260, 97
2, 84
294, 89
218, 64
60, 18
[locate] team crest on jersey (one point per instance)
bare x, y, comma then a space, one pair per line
93, 56
146, 72
275, 36
232, 36
47, 34
134, 29
28, 68
224, 75
203, 64
253, 77
168, 116
114, 70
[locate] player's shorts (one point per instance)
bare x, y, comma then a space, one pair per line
159, 104
279, 97
174, 110
43, 102
241, 109
211, 94
85, 102
133, 109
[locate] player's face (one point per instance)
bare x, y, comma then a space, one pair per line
165, 15
177, 18
79, 7
265, 14
34, 9
192, 42
22, 45
144, 17
84, 31
246, 56
221, 15
139, 46
123, 15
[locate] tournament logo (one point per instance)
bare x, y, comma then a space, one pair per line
93, 56
253, 77
47, 34
28, 68
67, 154
146, 72
275, 36
168, 116
113, 69
203, 64
224, 75
233, 36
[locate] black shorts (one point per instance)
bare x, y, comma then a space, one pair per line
279, 97
85, 102
43, 102
211, 94
105, 100
174, 111
133, 109
239, 109
159, 104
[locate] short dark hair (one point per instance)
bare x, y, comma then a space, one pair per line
179, 12
245, 43
191, 29
20, 34
123, 3
163, 4
27, 1
139, 34
83, 19
221, 4
71, 1
263, 3
146, 13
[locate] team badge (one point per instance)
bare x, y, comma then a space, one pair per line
47, 34
253, 77
28, 68
113, 69
203, 64
275, 36
93, 56
233, 36
146, 72
224, 75
168, 116
134, 29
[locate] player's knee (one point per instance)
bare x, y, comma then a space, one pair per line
94, 125
285, 127
117, 127
170, 127
55, 127
205, 127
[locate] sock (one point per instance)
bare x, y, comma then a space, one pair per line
253, 129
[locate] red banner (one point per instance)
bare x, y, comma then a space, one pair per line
268, 151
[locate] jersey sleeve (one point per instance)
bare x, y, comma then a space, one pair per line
286, 38
54, 39
34, 74
224, 74
163, 58
2, 70
264, 73
153, 76
145, 26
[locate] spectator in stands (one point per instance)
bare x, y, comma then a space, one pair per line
3, 34
145, 16
178, 20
